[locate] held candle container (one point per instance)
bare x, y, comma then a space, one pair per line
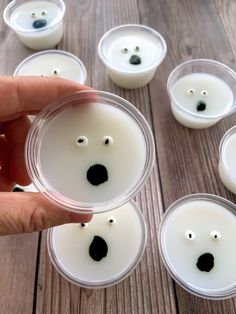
55, 63
90, 151
196, 242
102, 252
38, 24
131, 54
202, 92
227, 165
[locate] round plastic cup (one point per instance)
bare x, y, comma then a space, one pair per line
143, 42
90, 151
205, 82
20, 15
69, 247
55, 63
195, 243
227, 152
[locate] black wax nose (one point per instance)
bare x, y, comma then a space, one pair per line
205, 262
134, 59
98, 248
97, 174
39, 23
201, 105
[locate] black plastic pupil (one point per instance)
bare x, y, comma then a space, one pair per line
82, 225
190, 236
215, 236
80, 140
111, 220
39, 23
107, 141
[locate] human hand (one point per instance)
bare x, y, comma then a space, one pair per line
19, 97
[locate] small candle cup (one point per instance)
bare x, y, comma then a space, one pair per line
90, 151
195, 242
95, 255
54, 63
227, 153
202, 92
38, 24
131, 54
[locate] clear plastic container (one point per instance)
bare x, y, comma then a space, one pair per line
55, 63
91, 151
227, 155
195, 242
202, 92
38, 24
131, 54
123, 230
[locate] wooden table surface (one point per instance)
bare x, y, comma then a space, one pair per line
186, 159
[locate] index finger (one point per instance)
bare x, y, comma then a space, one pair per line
25, 95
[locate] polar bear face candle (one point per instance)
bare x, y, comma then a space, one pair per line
54, 63
37, 23
102, 252
90, 151
195, 240
202, 92
131, 54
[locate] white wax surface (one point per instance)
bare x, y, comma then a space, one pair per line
227, 164
45, 64
219, 97
27, 188
71, 245
64, 165
201, 217
150, 50
21, 17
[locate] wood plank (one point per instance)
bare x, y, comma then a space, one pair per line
148, 289
187, 158
227, 12
18, 253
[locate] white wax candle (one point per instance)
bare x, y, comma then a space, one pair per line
122, 236
90, 151
65, 165
227, 160
55, 63
203, 95
38, 24
196, 244
131, 54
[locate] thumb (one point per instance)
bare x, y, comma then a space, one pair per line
28, 212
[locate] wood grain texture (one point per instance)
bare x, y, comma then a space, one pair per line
18, 253
187, 158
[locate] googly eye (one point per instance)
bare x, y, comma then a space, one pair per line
55, 72
204, 93
44, 13
82, 141
33, 15
83, 225
125, 50
137, 48
191, 92
112, 221
215, 235
190, 235
107, 140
